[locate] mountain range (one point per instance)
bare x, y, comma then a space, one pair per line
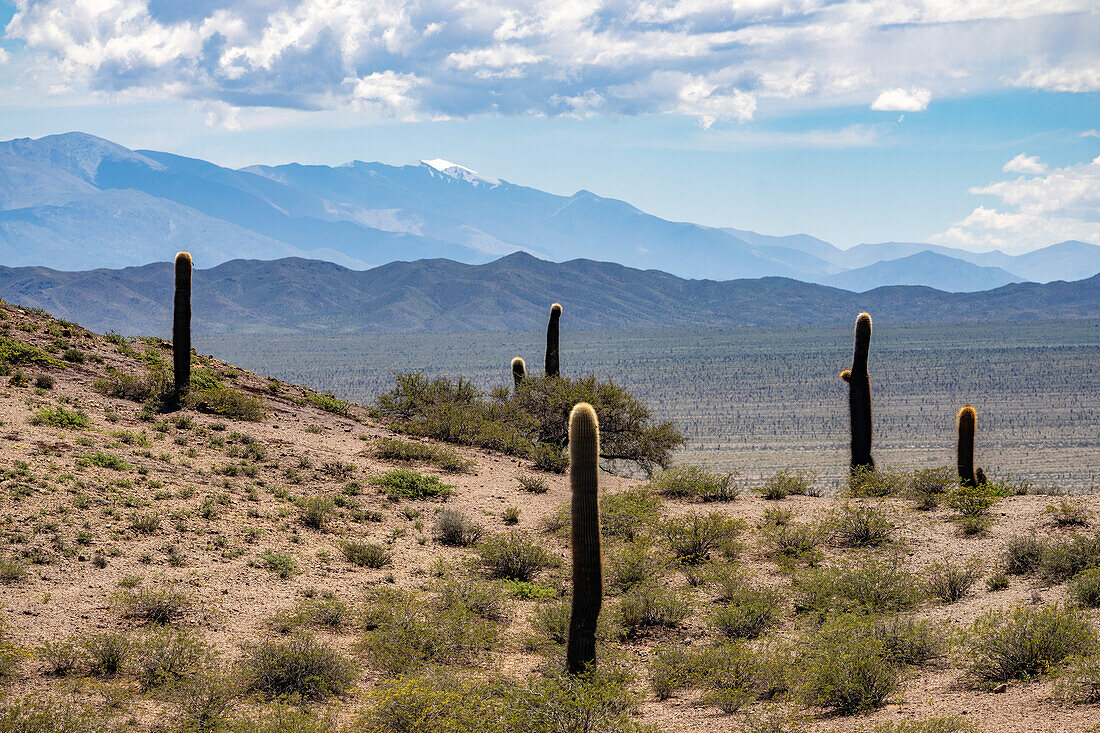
76, 202
294, 295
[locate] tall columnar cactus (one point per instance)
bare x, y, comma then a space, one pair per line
584, 456
552, 341
859, 397
966, 423
181, 325
519, 370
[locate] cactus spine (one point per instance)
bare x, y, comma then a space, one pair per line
966, 423
552, 341
859, 397
584, 455
181, 326
519, 370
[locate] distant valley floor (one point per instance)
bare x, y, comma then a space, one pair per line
758, 400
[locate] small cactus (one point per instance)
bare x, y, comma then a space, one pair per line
552, 341
966, 424
584, 456
859, 397
519, 370
181, 326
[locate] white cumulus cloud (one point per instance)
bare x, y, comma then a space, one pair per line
902, 100
1061, 204
1029, 164
714, 60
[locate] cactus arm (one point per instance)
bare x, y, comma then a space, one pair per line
584, 456
552, 341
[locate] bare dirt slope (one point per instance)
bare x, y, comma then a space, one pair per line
195, 502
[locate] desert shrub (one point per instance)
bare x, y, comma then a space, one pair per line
536, 412
996, 581
44, 381
327, 613
1022, 554
405, 633
515, 556
692, 537
366, 554
782, 484
627, 513
12, 569
1062, 559
1079, 679
316, 511
907, 640
550, 624
1085, 588
695, 482
861, 526
439, 702
529, 591
627, 564
446, 459
105, 460
282, 565
748, 610
404, 483
33, 714
928, 486
533, 484
1068, 513
59, 417
847, 668
227, 402
107, 653
145, 523
949, 582
454, 528
1025, 642
204, 701
155, 605
877, 482
549, 457
14, 352
790, 543
153, 387
671, 669
298, 666
727, 675
868, 584
168, 655
510, 515
596, 702
61, 657
774, 516
972, 501
328, 402
489, 600
651, 605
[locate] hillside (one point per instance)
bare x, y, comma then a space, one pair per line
303, 296
255, 540
924, 268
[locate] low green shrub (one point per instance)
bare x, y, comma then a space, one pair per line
515, 556
227, 402
366, 554
107, 653
297, 667
155, 605
1023, 554
878, 482
1025, 642
454, 528
867, 584
404, 483
782, 484
949, 581
168, 655
59, 417
972, 501
747, 610
392, 449
861, 526
692, 537
437, 702
792, 543
1062, 559
1085, 588
650, 605
282, 565
627, 513
695, 482
847, 668
1068, 513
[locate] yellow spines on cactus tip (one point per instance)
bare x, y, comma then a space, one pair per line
846, 375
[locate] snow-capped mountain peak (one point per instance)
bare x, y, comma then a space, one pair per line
461, 172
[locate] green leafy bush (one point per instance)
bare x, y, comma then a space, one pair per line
1026, 642
298, 667
972, 501
1068, 513
747, 610
436, 702
59, 417
454, 528
227, 402
515, 556
692, 537
282, 565
316, 511
847, 668
168, 655
1022, 554
404, 483
1062, 559
861, 526
1085, 588
696, 482
392, 449
156, 605
650, 605
949, 581
782, 484
366, 555
868, 584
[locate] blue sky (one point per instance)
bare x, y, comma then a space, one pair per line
972, 124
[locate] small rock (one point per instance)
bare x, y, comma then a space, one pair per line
1003, 687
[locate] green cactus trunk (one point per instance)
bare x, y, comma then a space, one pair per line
584, 456
859, 397
181, 326
552, 341
519, 371
966, 424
